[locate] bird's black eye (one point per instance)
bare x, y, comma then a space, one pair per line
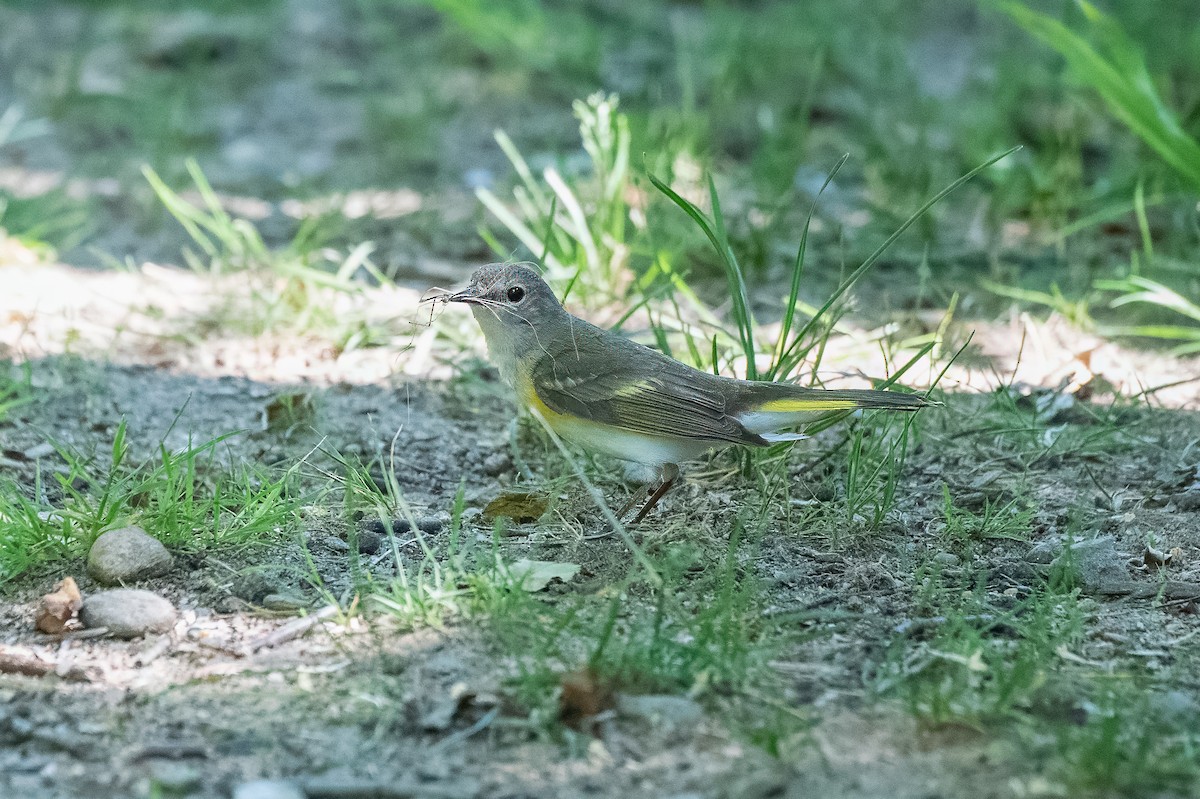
515, 293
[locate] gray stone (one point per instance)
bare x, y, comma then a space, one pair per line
430, 524
1044, 552
1177, 707
268, 789
1189, 500
1096, 561
369, 542
661, 708
497, 464
946, 559
174, 777
125, 555
128, 612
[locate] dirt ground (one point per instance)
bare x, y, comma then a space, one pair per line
347, 707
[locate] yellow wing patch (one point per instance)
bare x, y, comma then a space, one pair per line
633, 389
797, 405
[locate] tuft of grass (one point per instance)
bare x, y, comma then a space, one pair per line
44, 222
1139, 290
575, 225
787, 355
983, 664
439, 579
291, 288
699, 632
15, 390
964, 528
1128, 746
186, 498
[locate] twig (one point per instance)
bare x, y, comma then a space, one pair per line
1170, 589
12, 663
352, 788
77, 635
154, 651
291, 630
170, 750
477, 727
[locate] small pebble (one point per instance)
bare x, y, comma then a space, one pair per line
1044, 552
369, 542
127, 554
252, 585
429, 524
661, 708
336, 544
1096, 561
1188, 500
43, 450
174, 777
401, 526
376, 526
497, 464
946, 559
128, 612
268, 789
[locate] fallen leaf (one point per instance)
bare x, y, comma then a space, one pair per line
59, 607
520, 507
535, 575
583, 695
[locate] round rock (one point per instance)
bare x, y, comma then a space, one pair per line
125, 555
128, 612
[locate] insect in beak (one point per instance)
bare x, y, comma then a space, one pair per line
465, 296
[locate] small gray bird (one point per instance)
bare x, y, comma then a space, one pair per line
612, 395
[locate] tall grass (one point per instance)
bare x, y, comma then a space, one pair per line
1115, 67
576, 225
183, 497
290, 286
787, 353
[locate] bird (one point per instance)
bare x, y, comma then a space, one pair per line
611, 395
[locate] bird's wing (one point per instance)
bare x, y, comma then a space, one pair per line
614, 381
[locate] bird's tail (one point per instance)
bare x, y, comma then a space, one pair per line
767, 408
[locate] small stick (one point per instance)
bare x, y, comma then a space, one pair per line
352, 788
154, 651
77, 635
291, 630
12, 663
169, 750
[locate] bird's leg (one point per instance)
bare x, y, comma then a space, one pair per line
633, 498
670, 473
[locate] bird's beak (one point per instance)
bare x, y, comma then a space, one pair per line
467, 296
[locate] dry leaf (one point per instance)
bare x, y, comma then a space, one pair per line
520, 507
584, 695
59, 607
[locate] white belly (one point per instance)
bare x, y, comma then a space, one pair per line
627, 445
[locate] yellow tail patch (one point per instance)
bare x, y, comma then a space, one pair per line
796, 405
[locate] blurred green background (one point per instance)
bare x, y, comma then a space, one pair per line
377, 117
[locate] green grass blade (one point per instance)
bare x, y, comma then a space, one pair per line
789, 312
715, 235
1119, 76
789, 360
